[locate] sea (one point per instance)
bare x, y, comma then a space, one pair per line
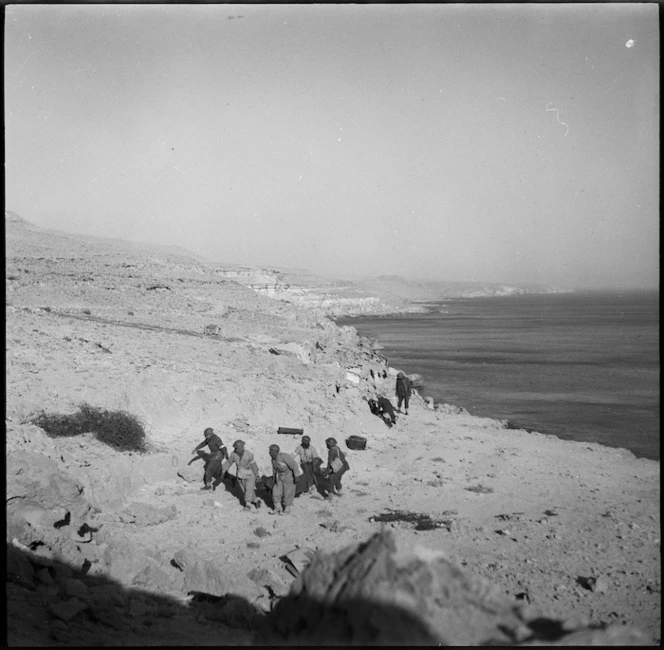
580, 366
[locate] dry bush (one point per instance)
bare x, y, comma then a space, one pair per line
118, 429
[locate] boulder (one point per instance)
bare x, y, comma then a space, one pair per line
295, 349
201, 575
385, 592
154, 576
112, 483
270, 580
35, 480
123, 560
77, 588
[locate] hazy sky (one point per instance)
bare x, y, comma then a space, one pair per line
507, 143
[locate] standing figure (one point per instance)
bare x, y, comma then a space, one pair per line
214, 460
403, 391
337, 466
308, 456
284, 471
247, 473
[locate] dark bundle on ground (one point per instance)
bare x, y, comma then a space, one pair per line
118, 429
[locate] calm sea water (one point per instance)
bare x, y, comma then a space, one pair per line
578, 366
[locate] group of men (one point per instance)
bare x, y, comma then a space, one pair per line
285, 470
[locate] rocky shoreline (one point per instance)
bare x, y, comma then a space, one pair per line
109, 547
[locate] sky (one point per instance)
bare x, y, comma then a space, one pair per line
514, 143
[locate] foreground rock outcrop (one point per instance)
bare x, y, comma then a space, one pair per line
385, 592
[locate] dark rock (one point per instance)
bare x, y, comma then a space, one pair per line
234, 611
66, 610
192, 473
50, 593
587, 582
19, 569
44, 576
102, 613
62, 572
77, 588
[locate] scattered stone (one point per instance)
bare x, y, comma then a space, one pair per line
76, 588
587, 582
191, 473
58, 630
300, 558
50, 593
44, 576
270, 580
144, 514
601, 585
105, 615
334, 526
85, 538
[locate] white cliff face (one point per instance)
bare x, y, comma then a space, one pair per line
327, 299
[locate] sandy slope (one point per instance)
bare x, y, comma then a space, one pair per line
543, 512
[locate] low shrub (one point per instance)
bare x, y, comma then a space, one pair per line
118, 429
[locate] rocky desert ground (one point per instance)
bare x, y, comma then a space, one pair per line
452, 529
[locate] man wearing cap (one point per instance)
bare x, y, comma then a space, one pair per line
308, 456
214, 460
247, 473
403, 390
285, 471
337, 466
